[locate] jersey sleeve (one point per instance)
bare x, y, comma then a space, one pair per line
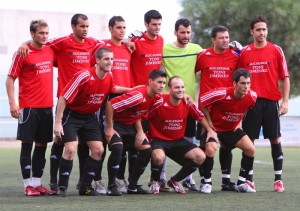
212, 96
16, 66
282, 64
195, 113
127, 100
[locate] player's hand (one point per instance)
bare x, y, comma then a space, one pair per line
23, 50
139, 138
235, 45
283, 108
188, 99
109, 132
15, 111
212, 134
136, 33
58, 130
130, 46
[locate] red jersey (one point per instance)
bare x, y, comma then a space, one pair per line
267, 65
134, 105
216, 69
85, 92
35, 73
72, 57
168, 122
146, 57
226, 111
121, 65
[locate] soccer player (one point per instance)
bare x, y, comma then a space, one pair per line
121, 75
148, 53
76, 114
179, 59
34, 110
216, 65
267, 64
224, 108
123, 119
166, 130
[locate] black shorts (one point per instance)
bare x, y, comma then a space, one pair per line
202, 138
229, 139
175, 150
86, 127
264, 114
35, 124
190, 130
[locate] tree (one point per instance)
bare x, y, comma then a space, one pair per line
283, 27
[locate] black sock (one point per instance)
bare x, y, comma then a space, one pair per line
65, 169
246, 166
122, 166
225, 158
156, 171
38, 161
188, 167
132, 156
83, 153
140, 166
113, 162
277, 156
56, 154
90, 169
99, 173
25, 160
207, 168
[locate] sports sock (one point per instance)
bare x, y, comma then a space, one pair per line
90, 169
163, 170
277, 156
155, 171
113, 162
139, 166
188, 168
99, 173
56, 154
225, 159
121, 172
83, 153
132, 156
38, 161
207, 169
25, 160
246, 166
65, 169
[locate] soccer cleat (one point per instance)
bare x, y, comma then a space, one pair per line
154, 188
30, 191
245, 188
190, 184
113, 191
278, 186
251, 184
121, 185
206, 188
228, 186
45, 191
100, 187
87, 191
62, 191
53, 186
164, 187
136, 190
176, 186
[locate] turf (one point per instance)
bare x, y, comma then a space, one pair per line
12, 198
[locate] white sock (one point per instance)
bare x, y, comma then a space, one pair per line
36, 181
27, 182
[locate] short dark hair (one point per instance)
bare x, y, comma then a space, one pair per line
74, 20
152, 14
115, 19
101, 51
239, 73
257, 19
36, 24
154, 74
182, 21
217, 29
171, 79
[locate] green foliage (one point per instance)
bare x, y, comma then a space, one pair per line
283, 16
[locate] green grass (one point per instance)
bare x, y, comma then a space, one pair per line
12, 198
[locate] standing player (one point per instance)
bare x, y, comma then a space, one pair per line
121, 74
34, 112
148, 53
76, 114
166, 129
267, 64
179, 59
224, 108
216, 65
123, 118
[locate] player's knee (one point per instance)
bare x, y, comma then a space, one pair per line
211, 148
199, 156
250, 151
158, 157
97, 151
70, 151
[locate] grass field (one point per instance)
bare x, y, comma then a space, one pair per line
12, 198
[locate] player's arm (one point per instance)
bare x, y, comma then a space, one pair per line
23, 50
284, 105
121, 89
207, 115
109, 129
61, 105
10, 89
210, 132
140, 135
